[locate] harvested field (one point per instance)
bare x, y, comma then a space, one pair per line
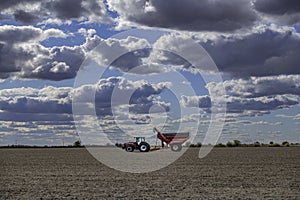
226, 173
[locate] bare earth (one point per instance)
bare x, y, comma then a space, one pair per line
226, 173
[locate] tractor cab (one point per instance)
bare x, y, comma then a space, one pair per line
139, 140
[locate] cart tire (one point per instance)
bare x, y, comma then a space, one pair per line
144, 147
129, 149
176, 147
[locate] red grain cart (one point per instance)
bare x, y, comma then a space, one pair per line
174, 140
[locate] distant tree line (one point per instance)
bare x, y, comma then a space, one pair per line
237, 143
75, 144
234, 143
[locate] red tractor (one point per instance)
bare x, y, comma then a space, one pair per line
174, 140
139, 144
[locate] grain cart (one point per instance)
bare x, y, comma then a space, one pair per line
174, 140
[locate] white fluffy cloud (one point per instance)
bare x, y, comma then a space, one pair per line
196, 101
259, 86
142, 99
10, 34
131, 51
257, 95
59, 99
245, 106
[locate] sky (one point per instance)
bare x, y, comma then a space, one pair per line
106, 71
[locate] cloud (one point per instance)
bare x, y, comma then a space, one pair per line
191, 15
265, 123
286, 12
168, 49
132, 51
141, 100
25, 17
31, 100
33, 11
237, 104
59, 99
196, 101
266, 50
256, 95
11, 35
294, 117
259, 86
33, 60
241, 105
250, 97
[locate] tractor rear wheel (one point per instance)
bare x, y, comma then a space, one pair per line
144, 147
176, 147
129, 149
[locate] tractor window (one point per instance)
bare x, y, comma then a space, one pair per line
139, 140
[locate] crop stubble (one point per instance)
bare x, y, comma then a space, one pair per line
226, 173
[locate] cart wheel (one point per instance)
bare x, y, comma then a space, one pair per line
144, 147
129, 149
176, 147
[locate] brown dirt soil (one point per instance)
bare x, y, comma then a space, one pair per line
226, 173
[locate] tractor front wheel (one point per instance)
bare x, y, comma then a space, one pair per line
144, 147
176, 147
129, 149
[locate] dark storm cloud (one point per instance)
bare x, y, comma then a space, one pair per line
9, 37
284, 11
66, 9
192, 15
8, 65
278, 7
33, 60
264, 52
25, 17
33, 11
